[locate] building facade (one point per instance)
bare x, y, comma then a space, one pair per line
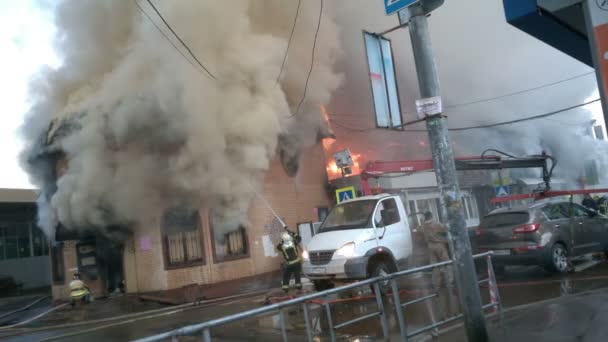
182, 247
24, 252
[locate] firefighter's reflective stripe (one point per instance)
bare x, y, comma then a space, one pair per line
291, 254
78, 292
293, 261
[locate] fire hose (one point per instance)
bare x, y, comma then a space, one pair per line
36, 301
128, 318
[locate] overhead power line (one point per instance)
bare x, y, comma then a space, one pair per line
312, 62
180, 39
352, 128
518, 92
165, 35
503, 123
535, 117
293, 28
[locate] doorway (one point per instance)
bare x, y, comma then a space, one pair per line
110, 261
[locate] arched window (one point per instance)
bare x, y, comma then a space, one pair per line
183, 243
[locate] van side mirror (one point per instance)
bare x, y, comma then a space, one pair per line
386, 217
592, 213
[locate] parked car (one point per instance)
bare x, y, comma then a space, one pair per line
359, 239
7, 282
547, 233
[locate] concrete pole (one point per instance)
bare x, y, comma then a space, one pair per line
445, 170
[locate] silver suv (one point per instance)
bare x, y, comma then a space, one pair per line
544, 233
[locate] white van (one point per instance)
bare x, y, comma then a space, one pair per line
359, 239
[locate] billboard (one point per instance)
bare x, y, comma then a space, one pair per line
597, 22
383, 81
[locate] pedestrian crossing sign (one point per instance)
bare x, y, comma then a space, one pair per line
345, 194
502, 191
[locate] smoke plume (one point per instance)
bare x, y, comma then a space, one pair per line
473, 64
153, 130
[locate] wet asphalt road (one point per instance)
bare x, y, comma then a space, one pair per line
10, 312
519, 285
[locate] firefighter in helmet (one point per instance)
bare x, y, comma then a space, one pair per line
79, 291
290, 249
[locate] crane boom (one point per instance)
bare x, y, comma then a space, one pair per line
378, 169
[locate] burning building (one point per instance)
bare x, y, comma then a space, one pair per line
161, 152
151, 163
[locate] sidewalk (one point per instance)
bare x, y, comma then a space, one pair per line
192, 293
582, 317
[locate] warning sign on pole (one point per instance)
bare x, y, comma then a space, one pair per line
345, 194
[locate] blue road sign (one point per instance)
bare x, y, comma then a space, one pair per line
502, 191
393, 6
345, 194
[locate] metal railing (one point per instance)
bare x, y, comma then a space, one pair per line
205, 328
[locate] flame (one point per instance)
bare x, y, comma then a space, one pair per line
332, 169
334, 172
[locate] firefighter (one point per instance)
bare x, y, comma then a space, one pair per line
589, 202
79, 291
290, 249
442, 279
435, 235
602, 203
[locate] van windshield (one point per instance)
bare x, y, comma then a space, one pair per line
349, 215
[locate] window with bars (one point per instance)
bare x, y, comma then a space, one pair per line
229, 239
182, 237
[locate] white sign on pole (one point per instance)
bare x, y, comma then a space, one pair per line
428, 106
383, 81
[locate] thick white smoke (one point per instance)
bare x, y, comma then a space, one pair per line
154, 130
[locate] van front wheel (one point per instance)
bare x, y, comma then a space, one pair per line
380, 269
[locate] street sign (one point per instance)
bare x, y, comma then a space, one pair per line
429, 106
392, 6
345, 194
383, 80
502, 191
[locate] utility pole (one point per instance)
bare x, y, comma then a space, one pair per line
445, 169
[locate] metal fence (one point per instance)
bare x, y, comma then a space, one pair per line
204, 329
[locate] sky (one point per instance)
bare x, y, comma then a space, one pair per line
473, 63
25, 41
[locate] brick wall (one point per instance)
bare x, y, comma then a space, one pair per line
295, 199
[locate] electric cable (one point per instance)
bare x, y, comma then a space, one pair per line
166, 37
180, 39
312, 62
510, 122
518, 92
293, 28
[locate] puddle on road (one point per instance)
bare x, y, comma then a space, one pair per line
347, 308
